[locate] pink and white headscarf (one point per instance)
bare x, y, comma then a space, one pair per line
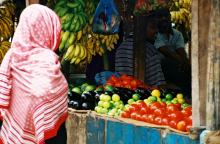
33, 90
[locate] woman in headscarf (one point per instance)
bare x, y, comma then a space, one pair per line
33, 90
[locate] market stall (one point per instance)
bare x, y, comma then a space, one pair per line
117, 108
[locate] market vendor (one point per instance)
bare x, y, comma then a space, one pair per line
170, 43
124, 55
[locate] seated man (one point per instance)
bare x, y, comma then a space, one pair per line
170, 43
124, 60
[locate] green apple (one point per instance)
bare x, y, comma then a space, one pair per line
90, 88
136, 97
116, 104
104, 111
101, 97
109, 88
130, 101
77, 90
107, 98
121, 106
83, 86
174, 101
99, 110
115, 97
168, 102
169, 97
164, 100
152, 99
100, 103
139, 101
106, 104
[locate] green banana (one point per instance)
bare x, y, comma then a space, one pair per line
70, 16
72, 4
77, 27
71, 39
62, 12
61, 46
60, 4
66, 26
69, 53
82, 3
65, 36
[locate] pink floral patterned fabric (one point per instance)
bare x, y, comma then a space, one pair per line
33, 90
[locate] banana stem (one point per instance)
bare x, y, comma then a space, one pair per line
105, 59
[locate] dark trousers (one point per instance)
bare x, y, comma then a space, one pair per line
60, 138
175, 75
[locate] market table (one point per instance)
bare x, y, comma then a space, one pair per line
86, 127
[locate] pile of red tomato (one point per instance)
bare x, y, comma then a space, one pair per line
126, 81
161, 114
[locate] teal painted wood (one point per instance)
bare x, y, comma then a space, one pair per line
100, 131
95, 131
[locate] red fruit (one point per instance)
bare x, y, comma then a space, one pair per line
173, 123
145, 118
139, 117
186, 113
178, 106
188, 120
126, 82
155, 105
159, 112
176, 115
181, 125
144, 110
141, 104
118, 84
163, 104
165, 121
132, 109
134, 115
158, 120
151, 118
171, 108
188, 128
125, 114
134, 84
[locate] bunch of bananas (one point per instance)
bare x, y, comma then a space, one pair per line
78, 43
7, 12
181, 12
4, 46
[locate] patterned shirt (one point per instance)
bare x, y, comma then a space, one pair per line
124, 62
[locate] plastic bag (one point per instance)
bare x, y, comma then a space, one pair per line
106, 19
102, 77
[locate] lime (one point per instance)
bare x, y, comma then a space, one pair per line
179, 96
181, 100
169, 97
152, 98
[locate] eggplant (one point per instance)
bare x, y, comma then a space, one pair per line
74, 96
75, 104
87, 106
88, 97
110, 93
97, 99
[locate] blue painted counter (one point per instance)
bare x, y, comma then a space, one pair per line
93, 129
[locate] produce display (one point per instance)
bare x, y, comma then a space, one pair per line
7, 12
78, 42
82, 97
166, 111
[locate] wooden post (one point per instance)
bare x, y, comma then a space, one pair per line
200, 27
29, 2
139, 50
213, 69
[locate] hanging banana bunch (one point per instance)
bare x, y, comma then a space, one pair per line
78, 43
4, 46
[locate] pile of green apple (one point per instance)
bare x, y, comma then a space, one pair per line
110, 105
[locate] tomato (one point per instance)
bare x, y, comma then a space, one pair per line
188, 120
178, 106
109, 83
188, 128
186, 113
126, 82
125, 114
134, 84
158, 120
134, 115
144, 110
181, 125
165, 121
136, 105
151, 118
113, 78
145, 118
159, 112
176, 115
171, 108
127, 86
173, 123
118, 84
132, 109
163, 104
141, 104
155, 105
138, 117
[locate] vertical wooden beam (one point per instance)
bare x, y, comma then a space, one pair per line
213, 70
196, 106
29, 2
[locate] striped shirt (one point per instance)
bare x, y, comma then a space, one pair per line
124, 62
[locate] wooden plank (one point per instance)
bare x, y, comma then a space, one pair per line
95, 133
213, 70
